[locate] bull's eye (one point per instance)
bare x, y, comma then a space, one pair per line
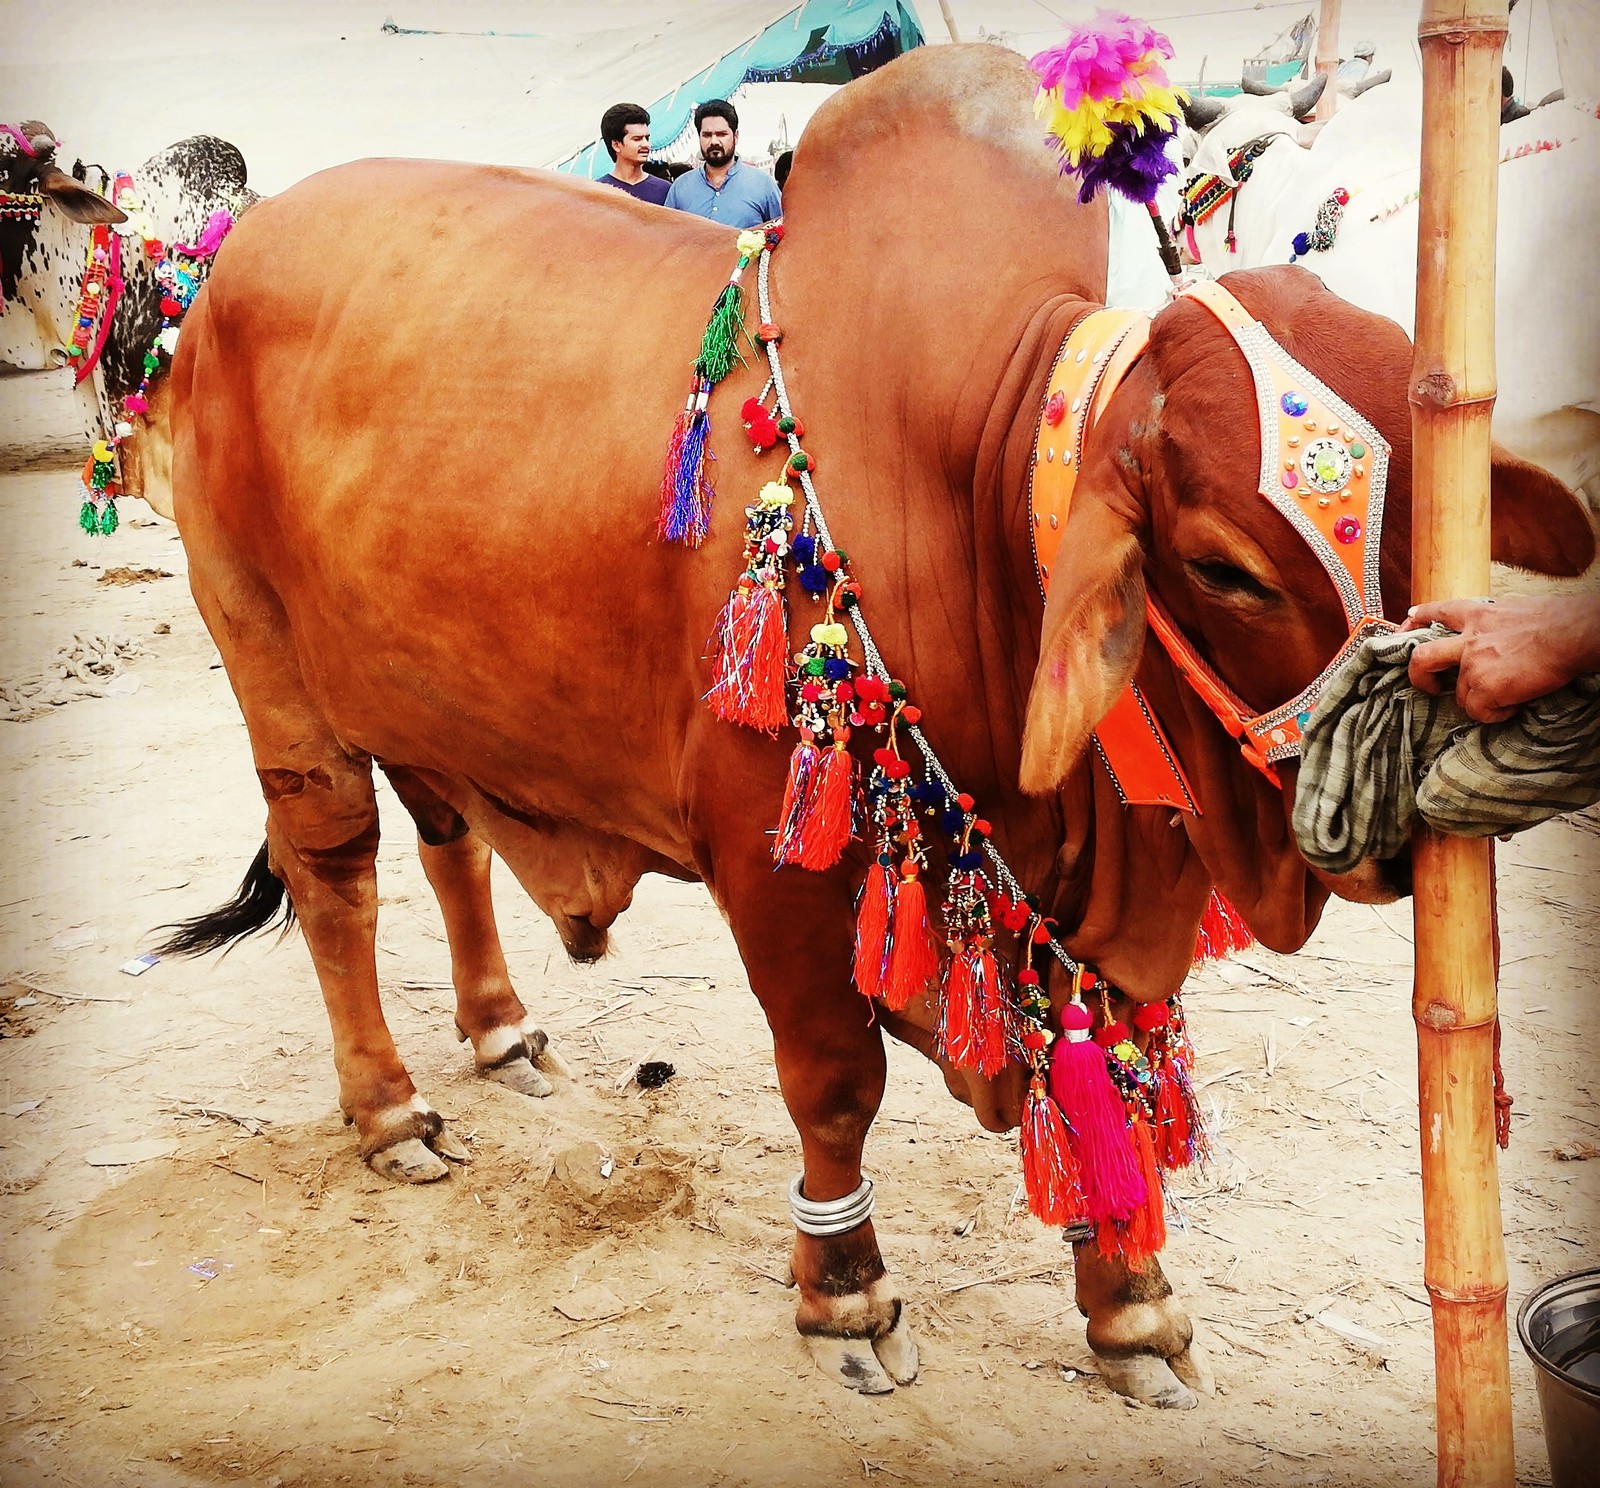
1227, 579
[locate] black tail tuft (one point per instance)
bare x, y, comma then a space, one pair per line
260, 902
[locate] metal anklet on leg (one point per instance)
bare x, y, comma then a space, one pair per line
829, 1217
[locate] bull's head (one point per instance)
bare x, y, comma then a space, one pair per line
1168, 500
27, 158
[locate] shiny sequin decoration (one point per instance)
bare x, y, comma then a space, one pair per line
1326, 465
1347, 529
1294, 404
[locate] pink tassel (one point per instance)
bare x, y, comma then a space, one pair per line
752, 642
913, 957
873, 914
1049, 1170
1222, 930
1081, 1085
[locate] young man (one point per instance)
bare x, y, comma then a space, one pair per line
724, 188
625, 131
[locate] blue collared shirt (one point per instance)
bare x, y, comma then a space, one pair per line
747, 198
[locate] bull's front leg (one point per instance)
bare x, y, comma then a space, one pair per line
1142, 1338
794, 936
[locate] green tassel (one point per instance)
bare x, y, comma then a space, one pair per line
108, 519
719, 348
88, 518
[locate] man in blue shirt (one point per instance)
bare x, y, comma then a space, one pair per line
725, 189
625, 131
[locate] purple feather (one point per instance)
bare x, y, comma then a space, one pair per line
1134, 164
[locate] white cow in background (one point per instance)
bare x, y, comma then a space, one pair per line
1547, 275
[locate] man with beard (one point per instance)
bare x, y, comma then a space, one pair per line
725, 189
625, 130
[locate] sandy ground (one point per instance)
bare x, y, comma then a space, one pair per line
252, 1305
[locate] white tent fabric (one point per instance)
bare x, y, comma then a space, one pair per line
300, 85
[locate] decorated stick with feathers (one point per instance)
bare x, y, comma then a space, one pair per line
1111, 111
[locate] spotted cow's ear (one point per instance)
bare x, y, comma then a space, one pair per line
1535, 522
1094, 619
75, 200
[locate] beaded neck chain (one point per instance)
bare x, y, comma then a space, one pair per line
1102, 1117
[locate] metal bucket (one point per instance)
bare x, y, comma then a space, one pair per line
1560, 1328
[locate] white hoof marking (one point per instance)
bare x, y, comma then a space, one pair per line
851, 1363
897, 1352
1147, 1379
521, 1076
409, 1161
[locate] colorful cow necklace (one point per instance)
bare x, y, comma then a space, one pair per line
1102, 1118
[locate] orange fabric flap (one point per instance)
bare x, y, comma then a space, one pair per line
1138, 757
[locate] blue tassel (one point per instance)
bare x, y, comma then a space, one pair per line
686, 516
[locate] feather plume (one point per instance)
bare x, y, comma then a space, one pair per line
1109, 107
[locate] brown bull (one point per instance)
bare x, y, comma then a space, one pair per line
419, 413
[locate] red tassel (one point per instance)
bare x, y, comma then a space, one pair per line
873, 911
913, 957
961, 1013
972, 1026
828, 831
796, 795
817, 807
669, 472
1222, 930
1174, 1147
1081, 1085
752, 643
1145, 1232
1049, 1170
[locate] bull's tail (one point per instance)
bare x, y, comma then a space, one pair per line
260, 902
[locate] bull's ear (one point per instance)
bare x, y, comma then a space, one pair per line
1094, 625
1535, 522
75, 200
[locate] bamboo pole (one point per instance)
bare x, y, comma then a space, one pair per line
949, 21
1328, 58
1454, 1001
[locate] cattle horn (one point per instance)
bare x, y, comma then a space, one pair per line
1555, 95
1201, 113
1258, 89
1304, 98
1355, 90
75, 200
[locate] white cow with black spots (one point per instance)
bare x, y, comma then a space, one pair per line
47, 219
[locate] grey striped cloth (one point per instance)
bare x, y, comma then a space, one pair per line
1378, 754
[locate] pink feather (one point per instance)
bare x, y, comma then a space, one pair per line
1098, 61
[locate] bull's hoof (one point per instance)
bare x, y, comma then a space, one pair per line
851, 1362
506, 1056
410, 1161
1194, 1369
1152, 1380
897, 1351
521, 1076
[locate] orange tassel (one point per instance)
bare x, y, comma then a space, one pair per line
752, 642
913, 957
1222, 930
796, 796
1145, 1232
972, 1029
1174, 1147
873, 913
828, 830
1049, 1170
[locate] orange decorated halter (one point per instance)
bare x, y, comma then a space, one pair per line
1323, 466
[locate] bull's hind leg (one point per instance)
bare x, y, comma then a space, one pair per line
1142, 1339
505, 1040
322, 842
794, 931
